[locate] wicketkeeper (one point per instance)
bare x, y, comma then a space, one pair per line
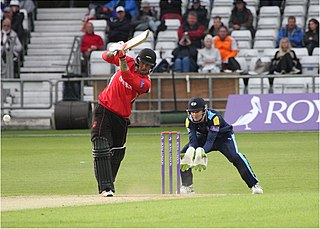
207, 132
111, 116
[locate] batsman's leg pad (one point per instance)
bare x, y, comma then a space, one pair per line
187, 161
117, 157
102, 164
201, 160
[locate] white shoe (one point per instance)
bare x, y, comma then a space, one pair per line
227, 71
257, 189
295, 70
239, 71
187, 190
107, 193
252, 73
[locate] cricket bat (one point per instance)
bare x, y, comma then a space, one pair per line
137, 40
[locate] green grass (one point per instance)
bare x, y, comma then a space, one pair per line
287, 163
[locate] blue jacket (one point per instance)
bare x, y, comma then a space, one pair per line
212, 131
295, 37
130, 6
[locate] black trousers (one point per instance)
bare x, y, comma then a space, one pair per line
114, 128
228, 147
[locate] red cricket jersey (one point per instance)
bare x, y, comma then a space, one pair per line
123, 88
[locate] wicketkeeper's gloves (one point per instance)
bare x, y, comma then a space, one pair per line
200, 161
187, 160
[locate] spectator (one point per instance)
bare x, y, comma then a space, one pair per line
170, 9
29, 6
209, 59
201, 12
228, 49
241, 17
214, 29
10, 39
192, 28
119, 28
3, 5
284, 61
145, 19
7, 13
130, 7
17, 21
185, 56
292, 32
311, 37
90, 42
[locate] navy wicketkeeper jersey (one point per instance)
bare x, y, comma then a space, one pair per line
211, 130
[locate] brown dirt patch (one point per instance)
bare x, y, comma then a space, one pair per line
30, 202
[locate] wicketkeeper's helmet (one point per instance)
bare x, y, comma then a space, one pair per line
196, 104
147, 56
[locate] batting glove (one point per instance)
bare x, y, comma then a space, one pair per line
187, 161
201, 160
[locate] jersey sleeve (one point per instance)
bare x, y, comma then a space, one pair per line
140, 84
192, 134
214, 127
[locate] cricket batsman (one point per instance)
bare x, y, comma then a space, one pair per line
207, 132
111, 116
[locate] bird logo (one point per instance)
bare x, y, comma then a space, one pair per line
247, 118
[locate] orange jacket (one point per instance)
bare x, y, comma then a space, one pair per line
227, 47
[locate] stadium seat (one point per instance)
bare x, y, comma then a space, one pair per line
254, 14
266, 34
222, 3
172, 24
248, 54
222, 11
313, 2
295, 10
99, 24
313, 11
253, 3
269, 52
145, 44
310, 64
168, 35
315, 51
270, 11
268, 23
244, 44
241, 35
300, 52
150, 38
169, 45
243, 63
296, 2
97, 66
243, 38
261, 45
101, 34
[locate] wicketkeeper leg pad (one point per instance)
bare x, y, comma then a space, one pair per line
102, 164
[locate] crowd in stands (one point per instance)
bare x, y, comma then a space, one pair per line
14, 36
192, 53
